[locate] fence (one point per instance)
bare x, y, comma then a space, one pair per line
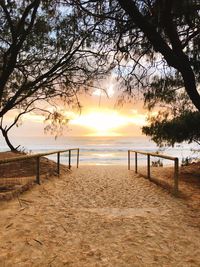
39, 155
176, 165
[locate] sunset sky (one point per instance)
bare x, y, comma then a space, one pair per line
100, 116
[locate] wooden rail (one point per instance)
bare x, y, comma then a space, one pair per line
176, 165
39, 155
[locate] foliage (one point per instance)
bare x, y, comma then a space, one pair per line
160, 41
45, 55
52, 49
186, 161
165, 131
55, 123
157, 163
152, 41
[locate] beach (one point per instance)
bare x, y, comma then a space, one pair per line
99, 216
100, 133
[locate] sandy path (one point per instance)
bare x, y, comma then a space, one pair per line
99, 216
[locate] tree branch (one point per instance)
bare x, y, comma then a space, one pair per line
8, 17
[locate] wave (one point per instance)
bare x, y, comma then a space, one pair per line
99, 150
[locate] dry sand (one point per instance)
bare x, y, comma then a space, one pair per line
99, 216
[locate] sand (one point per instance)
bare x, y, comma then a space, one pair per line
99, 216
17, 177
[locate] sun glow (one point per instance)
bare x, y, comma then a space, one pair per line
106, 123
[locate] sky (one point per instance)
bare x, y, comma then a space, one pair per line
100, 116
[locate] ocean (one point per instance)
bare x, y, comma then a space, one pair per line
101, 150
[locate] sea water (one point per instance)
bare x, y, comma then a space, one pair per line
101, 150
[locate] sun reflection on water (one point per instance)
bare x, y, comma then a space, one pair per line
104, 155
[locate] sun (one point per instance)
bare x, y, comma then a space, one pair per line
102, 123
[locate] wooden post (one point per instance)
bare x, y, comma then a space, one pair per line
148, 166
69, 165
58, 163
77, 158
129, 163
135, 162
176, 170
38, 170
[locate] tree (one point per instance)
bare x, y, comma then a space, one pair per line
146, 30
183, 128
45, 56
67, 42
160, 42
176, 120
172, 28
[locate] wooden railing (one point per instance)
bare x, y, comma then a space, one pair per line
39, 155
176, 165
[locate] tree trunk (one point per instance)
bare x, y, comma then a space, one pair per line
5, 135
190, 85
174, 56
